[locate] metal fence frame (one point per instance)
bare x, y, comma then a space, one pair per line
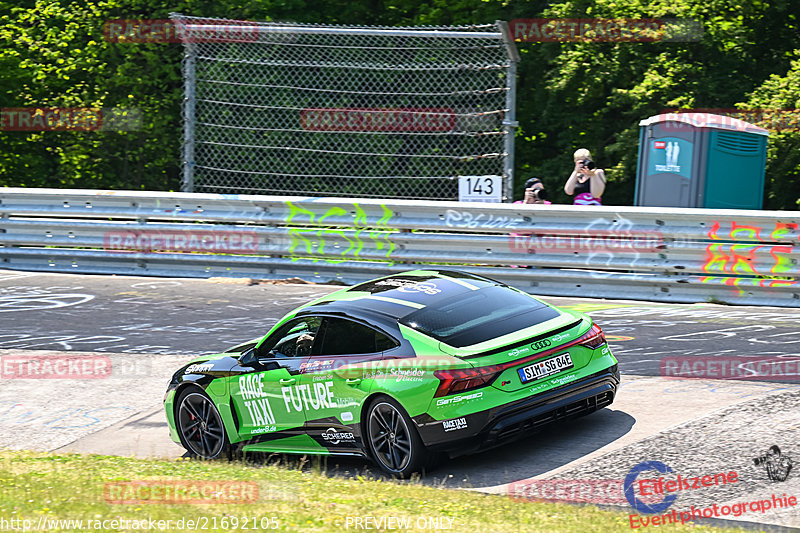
660, 254
202, 51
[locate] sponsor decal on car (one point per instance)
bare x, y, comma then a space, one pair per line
265, 429
459, 399
412, 374
198, 368
518, 351
455, 424
407, 285
560, 337
344, 403
347, 416
335, 437
563, 379
256, 402
312, 396
553, 382
316, 366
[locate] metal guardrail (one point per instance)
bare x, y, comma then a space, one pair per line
662, 254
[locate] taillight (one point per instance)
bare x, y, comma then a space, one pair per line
593, 338
464, 379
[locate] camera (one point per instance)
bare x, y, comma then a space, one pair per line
540, 195
588, 163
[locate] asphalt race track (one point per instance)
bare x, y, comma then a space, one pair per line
145, 328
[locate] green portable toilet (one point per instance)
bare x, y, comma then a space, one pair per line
700, 160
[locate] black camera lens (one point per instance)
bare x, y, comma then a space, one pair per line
588, 163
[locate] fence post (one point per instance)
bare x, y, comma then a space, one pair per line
189, 81
510, 122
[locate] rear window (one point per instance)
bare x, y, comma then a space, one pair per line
478, 316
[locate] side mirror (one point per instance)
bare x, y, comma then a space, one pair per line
248, 358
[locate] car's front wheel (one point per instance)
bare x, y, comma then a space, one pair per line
393, 440
200, 425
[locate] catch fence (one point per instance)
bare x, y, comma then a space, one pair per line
381, 112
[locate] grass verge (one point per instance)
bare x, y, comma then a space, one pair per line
44, 489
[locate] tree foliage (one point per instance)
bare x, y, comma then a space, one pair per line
570, 95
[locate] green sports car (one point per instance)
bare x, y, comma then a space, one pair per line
399, 370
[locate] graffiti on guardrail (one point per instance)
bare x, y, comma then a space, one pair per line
740, 256
311, 242
739, 259
465, 219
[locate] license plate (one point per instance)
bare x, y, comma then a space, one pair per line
548, 367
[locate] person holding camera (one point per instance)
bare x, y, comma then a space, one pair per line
534, 192
587, 182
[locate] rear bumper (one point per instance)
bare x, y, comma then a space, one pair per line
486, 429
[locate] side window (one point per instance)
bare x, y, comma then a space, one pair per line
294, 339
345, 337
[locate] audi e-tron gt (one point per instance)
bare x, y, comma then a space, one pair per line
399, 369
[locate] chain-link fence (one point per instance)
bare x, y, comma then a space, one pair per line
278, 108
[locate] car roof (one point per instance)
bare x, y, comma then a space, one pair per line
388, 299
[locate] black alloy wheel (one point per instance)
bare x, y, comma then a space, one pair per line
200, 426
394, 442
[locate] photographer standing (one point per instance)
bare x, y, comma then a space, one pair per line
587, 182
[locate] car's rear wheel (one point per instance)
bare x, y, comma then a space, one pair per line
394, 443
200, 425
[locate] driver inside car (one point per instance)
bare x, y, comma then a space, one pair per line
304, 343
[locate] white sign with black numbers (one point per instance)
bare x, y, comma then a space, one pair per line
480, 189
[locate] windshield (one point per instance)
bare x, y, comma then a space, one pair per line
478, 316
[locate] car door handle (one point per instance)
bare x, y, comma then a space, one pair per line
287, 381
353, 381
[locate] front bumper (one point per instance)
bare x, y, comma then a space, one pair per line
486, 429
